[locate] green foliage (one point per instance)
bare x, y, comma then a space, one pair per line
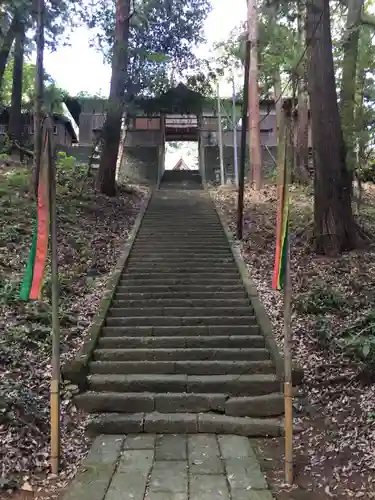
367, 172
9, 291
60, 17
69, 173
359, 339
320, 299
53, 95
278, 48
163, 34
323, 331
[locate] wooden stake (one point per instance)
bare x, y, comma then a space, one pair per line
241, 182
288, 386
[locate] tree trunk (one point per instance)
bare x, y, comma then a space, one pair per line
360, 125
254, 114
106, 179
277, 91
6, 46
334, 227
302, 146
349, 82
15, 117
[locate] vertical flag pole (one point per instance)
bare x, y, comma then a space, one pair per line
241, 180
39, 89
234, 119
55, 362
288, 385
220, 132
282, 273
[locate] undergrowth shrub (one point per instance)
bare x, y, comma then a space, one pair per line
367, 172
320, 299
359, 339
69, 173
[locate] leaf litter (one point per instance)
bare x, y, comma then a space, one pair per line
92, 230
334, 454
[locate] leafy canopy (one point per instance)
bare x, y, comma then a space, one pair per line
163, 34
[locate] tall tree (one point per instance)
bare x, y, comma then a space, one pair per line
302, 146
106, 179
6, 44
162, 35
60, 16
15, 117
349, 81
254, 113
334, 226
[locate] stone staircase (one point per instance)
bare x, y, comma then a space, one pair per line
180, 349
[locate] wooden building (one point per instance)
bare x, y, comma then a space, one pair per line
63, 129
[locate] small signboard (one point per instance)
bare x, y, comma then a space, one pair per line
181, 121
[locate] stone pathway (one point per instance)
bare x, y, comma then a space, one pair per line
170, 467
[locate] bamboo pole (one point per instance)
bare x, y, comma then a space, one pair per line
39, 91
288, 386
55, 361
241, 183
234, 125
220, 132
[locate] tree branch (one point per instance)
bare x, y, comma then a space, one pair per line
366, 19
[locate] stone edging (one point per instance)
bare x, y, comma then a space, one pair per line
260, 312
76, 371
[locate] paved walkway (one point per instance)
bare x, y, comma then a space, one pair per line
170, 467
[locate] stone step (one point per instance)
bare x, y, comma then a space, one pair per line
184, 303
135, 402
144, 312
181, 288
171, 274
201, 230
233, 385
172, 251
179, 321
177, 269
188, 246
172, 254
212, 341
181, 223
182, 367
266, 405
178, 261
172, 331
183, 423
180, 241
186, 354
217, 280
194, 295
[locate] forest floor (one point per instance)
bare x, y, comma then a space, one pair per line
91, 233
334, 330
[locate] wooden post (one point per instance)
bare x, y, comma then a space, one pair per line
288, 386
220, 133
39, 91
241, 182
